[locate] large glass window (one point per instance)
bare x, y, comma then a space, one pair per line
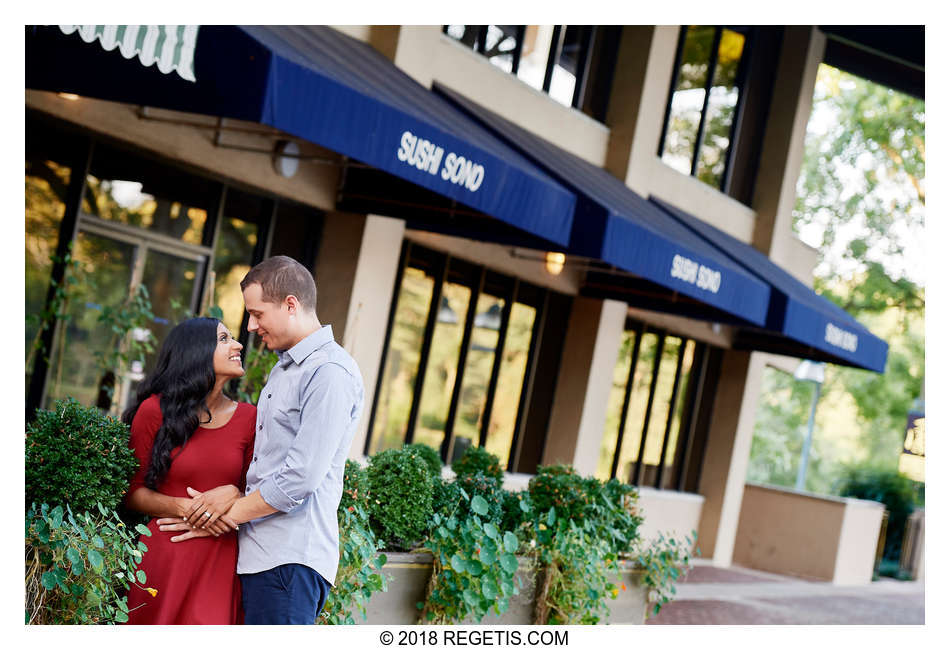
555, 59
476, 358
649, 413
704, 96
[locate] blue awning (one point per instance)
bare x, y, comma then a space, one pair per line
330, 89
795, 311
614, 224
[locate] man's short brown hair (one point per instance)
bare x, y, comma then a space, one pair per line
281, 276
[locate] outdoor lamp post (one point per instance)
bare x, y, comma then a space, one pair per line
812, 371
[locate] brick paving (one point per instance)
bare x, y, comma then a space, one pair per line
737, 596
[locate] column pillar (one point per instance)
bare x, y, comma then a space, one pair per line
355, 272
723, 473
576, 426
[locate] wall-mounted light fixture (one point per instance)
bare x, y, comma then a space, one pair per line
554, 262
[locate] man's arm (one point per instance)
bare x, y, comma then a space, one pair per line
325, 414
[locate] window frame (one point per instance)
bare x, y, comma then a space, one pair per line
742, 77
588, 41
480, 280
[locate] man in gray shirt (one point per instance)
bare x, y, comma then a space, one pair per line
307, 414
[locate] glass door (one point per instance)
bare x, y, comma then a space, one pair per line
113, 263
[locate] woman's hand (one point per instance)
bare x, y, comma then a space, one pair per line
207, 507
173, 524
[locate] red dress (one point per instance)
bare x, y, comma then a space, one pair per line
196, 579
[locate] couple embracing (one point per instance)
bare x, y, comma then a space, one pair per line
243, 498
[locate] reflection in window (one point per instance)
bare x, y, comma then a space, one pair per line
662, 417
46, 185
614, 405
511, 377
478, 365
500, 45
106, 265
686, 122
402, 361
242, 224
569, 63
534, 54
636, 412
443, 365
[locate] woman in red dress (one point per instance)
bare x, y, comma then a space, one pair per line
187, 434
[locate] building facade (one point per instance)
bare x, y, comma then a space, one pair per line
472, 323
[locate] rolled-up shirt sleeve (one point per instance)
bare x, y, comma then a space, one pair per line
326, 409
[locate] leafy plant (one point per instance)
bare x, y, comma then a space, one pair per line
517, 509
479, 460
561, 488
664, 561
429, 455
77, 455
400, 497
884, 485
258, 361
358, 575
473, 570
78, 567
575, 572
485, 487
56, 309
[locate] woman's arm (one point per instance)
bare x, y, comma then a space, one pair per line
156, 504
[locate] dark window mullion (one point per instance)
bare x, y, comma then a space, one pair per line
677, 64
690, 415
448, 439
519, 44
403, 262
710, 75
79, 164
583, 66
741, 79
496, 362
658, 483
627, 392
527, 384
481, 43
557, 41
439, 274
638, 469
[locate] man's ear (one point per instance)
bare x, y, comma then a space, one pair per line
293, 305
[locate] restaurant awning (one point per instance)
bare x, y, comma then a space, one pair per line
614, 224
318, 84
800, 323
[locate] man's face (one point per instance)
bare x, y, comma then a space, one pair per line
269, 320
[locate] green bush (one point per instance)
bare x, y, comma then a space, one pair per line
359, 572
561, 488
516, 510
355, 490
429, 455
478, 460
400, 503
884, 485
446, 497
612, 510
486, 487
79, 456
78, 567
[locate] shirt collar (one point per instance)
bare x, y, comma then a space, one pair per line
306, 346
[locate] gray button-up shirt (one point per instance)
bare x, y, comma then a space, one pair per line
306, 417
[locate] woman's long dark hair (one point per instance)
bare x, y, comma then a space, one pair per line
183, 377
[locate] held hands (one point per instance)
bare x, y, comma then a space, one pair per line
207, 508
203, 514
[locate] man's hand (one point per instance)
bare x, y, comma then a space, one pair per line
207, 507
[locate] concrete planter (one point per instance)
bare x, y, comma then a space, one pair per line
409, 574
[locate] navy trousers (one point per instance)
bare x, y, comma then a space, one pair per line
289, 594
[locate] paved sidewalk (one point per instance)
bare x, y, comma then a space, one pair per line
738, 596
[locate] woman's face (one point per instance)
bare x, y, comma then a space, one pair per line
227, 355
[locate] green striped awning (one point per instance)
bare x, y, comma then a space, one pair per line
170, 47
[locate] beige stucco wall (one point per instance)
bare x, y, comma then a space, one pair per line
377, 262
674, 514
313, 184
802, 534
